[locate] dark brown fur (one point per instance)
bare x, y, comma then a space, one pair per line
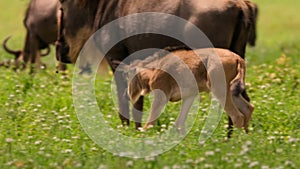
227, 24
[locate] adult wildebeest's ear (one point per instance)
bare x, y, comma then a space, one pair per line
121, 66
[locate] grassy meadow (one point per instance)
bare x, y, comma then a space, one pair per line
39, 127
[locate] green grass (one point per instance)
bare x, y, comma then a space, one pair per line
39, 127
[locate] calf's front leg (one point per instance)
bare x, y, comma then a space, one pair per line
137, 112
185, 107
159, 101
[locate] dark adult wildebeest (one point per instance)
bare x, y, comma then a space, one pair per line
41, 31
156, 77
227, 23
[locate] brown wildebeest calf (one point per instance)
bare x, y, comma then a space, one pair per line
157, 76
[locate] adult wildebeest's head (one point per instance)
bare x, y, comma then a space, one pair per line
74, 28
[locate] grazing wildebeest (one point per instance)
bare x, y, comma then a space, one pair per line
41, 30
227, 23
156, 77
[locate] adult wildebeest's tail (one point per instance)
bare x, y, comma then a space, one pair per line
253, 13
245, 30
237, 87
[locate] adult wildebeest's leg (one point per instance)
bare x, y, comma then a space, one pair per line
239, 42
114, 58
121, 85
137, 112
230, 127
27, 49
35, 57
31, 52
185, 107
61, 66
159, 101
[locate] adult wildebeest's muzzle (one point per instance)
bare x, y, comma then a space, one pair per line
62, 48
62, 51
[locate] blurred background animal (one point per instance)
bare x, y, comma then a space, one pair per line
41, 31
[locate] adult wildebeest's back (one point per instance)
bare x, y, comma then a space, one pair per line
226, 23
41, 20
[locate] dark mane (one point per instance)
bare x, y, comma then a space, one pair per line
175, 48
158, 55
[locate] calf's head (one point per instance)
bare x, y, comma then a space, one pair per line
137, 80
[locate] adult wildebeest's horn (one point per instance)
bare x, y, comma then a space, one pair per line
14, 52
47, 51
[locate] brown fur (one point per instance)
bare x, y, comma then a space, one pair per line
152, 78
224, 22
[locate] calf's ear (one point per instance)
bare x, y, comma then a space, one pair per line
120, 66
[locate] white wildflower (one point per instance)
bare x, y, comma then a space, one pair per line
129, 163
68, 150
265, 167
209, 153
38, 142
253, 164
9, 140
